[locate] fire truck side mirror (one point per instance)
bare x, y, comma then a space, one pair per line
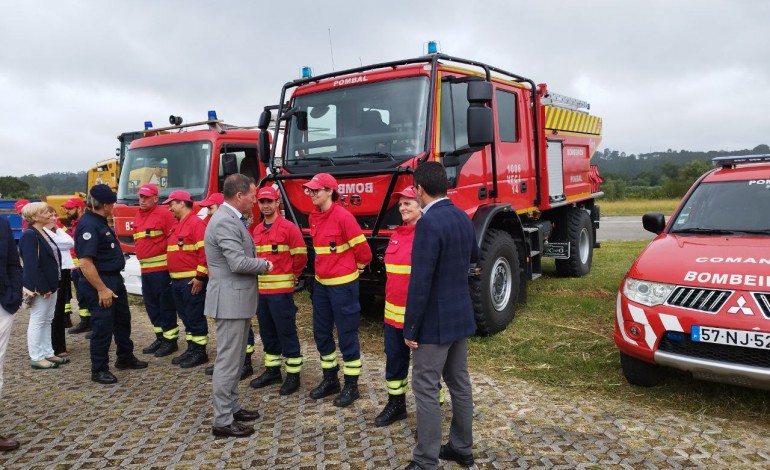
264, 120
264, 147
654, 222
229, 164
302, 120
480, 118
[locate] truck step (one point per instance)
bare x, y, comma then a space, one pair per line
535, 276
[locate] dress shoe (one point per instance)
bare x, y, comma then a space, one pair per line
271, 375
153, 346
7, 444
166, 348
235, 429
290, 385
246, 415
104, 377
448, 452
413, 466
132, 363
328, 386
348, 395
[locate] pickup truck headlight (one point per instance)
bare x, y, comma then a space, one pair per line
646, 292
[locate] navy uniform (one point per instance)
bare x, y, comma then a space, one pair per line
97, 242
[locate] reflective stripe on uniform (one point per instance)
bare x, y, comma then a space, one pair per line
153, 262
329, 361
83, 312
183, 247
202, 269
397, 387
293, 365
356, 240
394, 312
333, 281
144, 234
352, 368
272, 360
327, 250
269, 248
275, 281
398, 269
200, 340
157, 329
182, 274
171, 334
249, 349
275, 285
300, 250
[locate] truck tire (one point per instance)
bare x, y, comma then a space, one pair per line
495, 292
579, 233
641, 373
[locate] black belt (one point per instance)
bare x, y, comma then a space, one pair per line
109, 273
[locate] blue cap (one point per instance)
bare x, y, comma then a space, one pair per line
103, 194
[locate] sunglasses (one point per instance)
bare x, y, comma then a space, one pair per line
313, 192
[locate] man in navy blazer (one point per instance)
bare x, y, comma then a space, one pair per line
439, 318
10, 301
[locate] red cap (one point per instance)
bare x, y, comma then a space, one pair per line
322, 180
216, 198
73, 203
406, 192
20, 204
148, 190
178, 195
268, 192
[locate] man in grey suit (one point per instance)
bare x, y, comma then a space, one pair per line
231, 300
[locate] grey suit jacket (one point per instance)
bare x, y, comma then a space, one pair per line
233, 267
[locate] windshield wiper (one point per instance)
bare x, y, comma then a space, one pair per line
704, 231
377, 154
314, 159
755, 232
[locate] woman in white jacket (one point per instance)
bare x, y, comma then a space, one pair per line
60, 315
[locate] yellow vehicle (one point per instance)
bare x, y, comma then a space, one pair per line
105, 172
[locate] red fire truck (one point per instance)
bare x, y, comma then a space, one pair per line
195, 157
517, 161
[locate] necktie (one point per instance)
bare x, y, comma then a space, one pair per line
244, 222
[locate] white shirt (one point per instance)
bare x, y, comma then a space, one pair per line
425, 209
65, 243
235, 211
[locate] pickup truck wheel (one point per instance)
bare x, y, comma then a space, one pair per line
579, 233
641, 373
496, 291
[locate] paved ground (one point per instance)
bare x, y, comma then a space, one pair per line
622, 228
161, 418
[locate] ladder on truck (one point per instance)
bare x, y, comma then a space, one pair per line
563, 101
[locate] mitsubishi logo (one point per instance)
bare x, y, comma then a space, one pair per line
740, 307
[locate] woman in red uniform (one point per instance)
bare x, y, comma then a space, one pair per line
341, 252
398, 265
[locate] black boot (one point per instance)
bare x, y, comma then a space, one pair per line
197, 357
247, 370
178, 360
348, 395
394, 410
82, 327
271, 375
328, 386
169, 346
290, 385
154, 345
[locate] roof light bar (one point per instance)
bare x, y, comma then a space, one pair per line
732, 162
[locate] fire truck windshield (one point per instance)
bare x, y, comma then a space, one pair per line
183, 165
724, 208
371, 123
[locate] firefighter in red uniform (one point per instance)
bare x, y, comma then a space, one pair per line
189, 274
152, 225
341, 252
280, 242
212, 204
75, 208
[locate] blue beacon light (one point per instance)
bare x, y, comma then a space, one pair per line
307, 72
212, 115
147, 125
432, 47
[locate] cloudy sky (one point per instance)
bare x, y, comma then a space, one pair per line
689, 74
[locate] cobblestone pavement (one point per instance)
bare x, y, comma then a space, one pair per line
161, 418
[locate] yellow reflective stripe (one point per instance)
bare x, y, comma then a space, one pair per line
76, 261
398, 269
329, 361
143, 234
394, 308
333, 281
352, 367
394, 313
276, 277
200, 340
84, 312
269, 248
171, 334
356, 240
184, 247
327, 250
360, 266
271, 360
299, 250
157, 329
275, 285
249, 349
199, 244
188, 337
202, 269
153, 261
441, 394
294, 365
182, 274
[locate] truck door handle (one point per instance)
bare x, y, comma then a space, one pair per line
483, 192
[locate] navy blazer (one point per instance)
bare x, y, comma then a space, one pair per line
438, 304
10, 269
41, 263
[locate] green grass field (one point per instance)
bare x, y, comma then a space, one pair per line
639, 207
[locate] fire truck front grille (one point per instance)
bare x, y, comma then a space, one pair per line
715, 352
695, 298
763, 300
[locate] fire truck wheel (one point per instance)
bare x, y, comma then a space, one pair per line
579, 233
496, 291
641, 373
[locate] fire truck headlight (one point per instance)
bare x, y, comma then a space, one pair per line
646, 292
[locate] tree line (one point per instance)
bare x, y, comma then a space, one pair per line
657, 175
37, 187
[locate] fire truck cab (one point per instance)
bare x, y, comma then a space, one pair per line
516, 156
